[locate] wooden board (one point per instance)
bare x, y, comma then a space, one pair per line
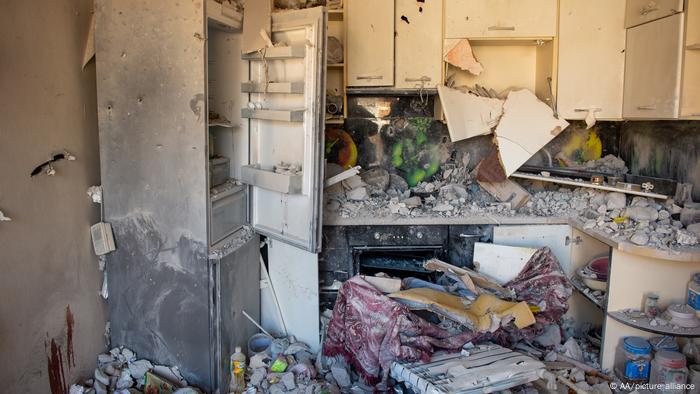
591, 58
507, 191
499, 262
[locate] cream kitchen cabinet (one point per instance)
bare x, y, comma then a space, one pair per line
500, 18
370, 42
418, 44
642, 11
653, 65
591, 58
690, 89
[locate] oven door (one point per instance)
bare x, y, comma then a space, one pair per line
229, 211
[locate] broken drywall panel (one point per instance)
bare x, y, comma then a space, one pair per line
507, 191
257, 17
501, 263
460, 54
4, 218
468, 115
526, 126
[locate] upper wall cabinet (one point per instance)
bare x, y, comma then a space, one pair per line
500, 18
690, 94
653, 69
642, 11
418, 44
591, 58
370, 43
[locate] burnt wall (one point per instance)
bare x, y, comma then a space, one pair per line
665, 149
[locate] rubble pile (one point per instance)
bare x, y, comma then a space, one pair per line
289, 366
609, 164
644, 222
121, 372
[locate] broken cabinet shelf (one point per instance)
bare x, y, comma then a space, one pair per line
643, 324
278, 53
223, 16
296, 115
272, 87
572, 182
581, 287
267, 179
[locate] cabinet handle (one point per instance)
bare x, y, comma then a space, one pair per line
594, 109
370, 77
421, 79
646, 107
648, 9
497, 28
693, 47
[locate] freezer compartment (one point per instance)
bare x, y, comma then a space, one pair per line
270, 180
229, 212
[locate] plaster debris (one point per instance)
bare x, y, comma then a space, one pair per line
4, 218
95, 194
609, 164
288, 168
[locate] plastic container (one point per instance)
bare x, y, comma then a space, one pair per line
237, 370
633, 360
651, 305
668, 373
664, 343
694, 293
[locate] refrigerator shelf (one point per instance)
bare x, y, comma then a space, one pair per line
270, 180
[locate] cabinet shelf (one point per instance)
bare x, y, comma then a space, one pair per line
272, 87
581, 288
223, 16
296, 115
642, 323
270, 180
278, 53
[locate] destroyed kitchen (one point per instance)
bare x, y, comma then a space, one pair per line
350, 196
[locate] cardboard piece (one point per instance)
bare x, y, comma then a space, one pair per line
526, 126
487, 313
257, 17
468, 115
499, 262
384, 284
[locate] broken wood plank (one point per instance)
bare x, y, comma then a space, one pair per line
468, 115
507, 191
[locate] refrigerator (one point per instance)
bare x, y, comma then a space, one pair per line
174, 91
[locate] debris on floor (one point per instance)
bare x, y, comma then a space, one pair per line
120, 372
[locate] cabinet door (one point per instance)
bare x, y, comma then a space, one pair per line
418, 44
500, 18
690, 99
642, 11
370, 42
591, 58
286, 205
653, 69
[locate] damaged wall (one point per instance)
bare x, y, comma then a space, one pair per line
665, 149
52, 319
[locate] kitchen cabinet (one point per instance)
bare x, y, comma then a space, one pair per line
690, 89
418, 44
653, 64
370, 43
187, 262
591, 58
643, 11
500, 18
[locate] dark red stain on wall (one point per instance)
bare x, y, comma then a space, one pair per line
54, 357
57, 378
70, 323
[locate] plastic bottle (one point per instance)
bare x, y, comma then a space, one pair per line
237, 368
694, 293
